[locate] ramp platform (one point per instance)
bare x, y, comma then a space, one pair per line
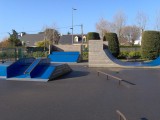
31, 69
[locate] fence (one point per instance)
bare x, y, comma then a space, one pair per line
13, 54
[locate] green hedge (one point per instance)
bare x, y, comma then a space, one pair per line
127, 54
113, 43
150, 44
93, 36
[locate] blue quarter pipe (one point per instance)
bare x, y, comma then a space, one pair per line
152, 63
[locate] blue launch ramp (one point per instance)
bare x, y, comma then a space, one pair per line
31, 69
19, 67
3, 70
64, 57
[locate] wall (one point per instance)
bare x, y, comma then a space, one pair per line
67, 48
97, 56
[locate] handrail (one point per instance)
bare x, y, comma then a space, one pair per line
31, 65
108, 75
121, 116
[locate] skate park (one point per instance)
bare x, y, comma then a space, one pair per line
81, 94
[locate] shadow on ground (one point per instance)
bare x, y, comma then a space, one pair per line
74, 74
144, 119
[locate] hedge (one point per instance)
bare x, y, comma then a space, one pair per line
150, 44
113, 43
93, 36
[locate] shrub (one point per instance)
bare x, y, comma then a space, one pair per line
93, 36
134, 54
113, 44
123, 55
85, 56
150, 44
127, 54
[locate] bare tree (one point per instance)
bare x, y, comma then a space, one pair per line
119, 23
141, 20
104, 26
52, 35
131, 33
157, 22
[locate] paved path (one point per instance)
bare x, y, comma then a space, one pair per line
82, 95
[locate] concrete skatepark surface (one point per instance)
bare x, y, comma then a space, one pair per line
82, 95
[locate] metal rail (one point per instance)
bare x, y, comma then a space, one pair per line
121, 116
32, 66
108, 75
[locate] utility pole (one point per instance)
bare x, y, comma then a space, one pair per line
72, 23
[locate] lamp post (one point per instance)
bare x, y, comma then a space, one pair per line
81, 31
72, 23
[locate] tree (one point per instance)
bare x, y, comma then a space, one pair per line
5, 43
42, 43
150, 47
119, 23
103, 26
93, 36
52, 35
131, 33
157, 22
68, 33
141, 19
113, 43
14, 38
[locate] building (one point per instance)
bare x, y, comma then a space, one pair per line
30, 39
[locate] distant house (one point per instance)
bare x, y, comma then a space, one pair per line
30, 39
67, 39
138, 42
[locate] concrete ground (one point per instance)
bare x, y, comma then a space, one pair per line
82, 95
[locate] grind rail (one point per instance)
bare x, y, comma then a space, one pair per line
108, 75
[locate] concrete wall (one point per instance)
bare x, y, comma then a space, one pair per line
97, 56
67, 48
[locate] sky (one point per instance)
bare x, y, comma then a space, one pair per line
32, 16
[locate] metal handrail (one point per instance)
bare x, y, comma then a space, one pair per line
108, 75
121, 116
31, 65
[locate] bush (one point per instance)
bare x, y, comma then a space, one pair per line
127, 54
123, 55
113, 43
134, 54
150, 44
93, 36
85, 56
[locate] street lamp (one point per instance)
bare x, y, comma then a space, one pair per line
81, 31
72, 23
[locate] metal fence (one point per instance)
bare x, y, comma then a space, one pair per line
13, 54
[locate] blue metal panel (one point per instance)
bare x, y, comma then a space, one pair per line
19, 67
3, 71
64, 56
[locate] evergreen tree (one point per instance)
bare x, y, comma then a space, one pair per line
113, 44
14, 39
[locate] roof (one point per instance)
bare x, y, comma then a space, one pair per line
67, 39
31, 39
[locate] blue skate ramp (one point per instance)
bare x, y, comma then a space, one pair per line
153, 63
19, 67
31, 69
64, 57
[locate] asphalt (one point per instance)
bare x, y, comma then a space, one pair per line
83, 95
